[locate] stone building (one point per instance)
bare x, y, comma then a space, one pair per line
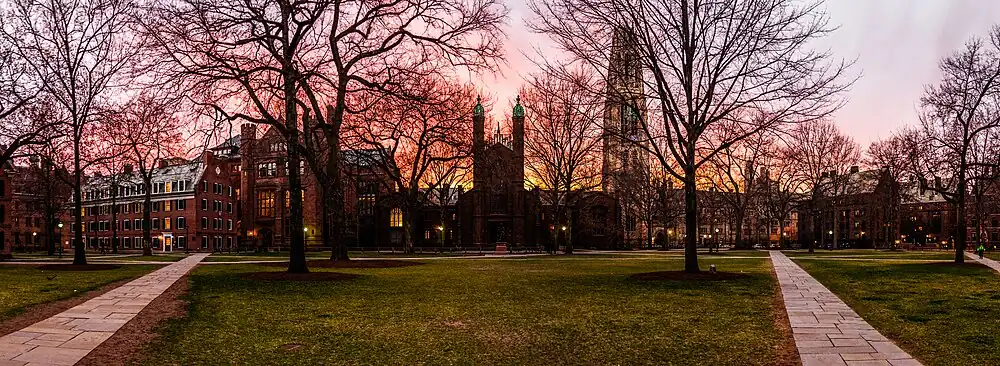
194, 207
498, 210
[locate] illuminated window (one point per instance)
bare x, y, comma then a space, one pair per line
166, 223
166, 206
396, 218
267, 169
265, 203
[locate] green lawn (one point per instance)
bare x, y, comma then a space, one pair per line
941, 314
150, 258
874, 254
504, 312
22, 286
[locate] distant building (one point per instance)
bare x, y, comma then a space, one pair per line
194, 207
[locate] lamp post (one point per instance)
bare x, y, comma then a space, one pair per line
440, 230
670, 232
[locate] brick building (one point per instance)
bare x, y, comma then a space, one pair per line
194, 207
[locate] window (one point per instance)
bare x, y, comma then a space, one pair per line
166, 223
396, 218
156, 224
204, 222
180, 205
168, 187
137, 224
204, 242
427, 234
204, 204
204, 186
166, 206
229, 207
181, 222
229, 224
127, 225
267, 169
181, 242
265, 203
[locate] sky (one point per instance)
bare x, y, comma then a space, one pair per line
896, 45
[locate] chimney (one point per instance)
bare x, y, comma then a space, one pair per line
855, 169
445, 191
937, 182
922, 182
127, 169
162, 163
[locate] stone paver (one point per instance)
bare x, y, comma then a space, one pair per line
986, 261
826, 330
67, 337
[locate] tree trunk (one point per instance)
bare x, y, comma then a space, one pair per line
740, 243
297, 252
690, 221
147, 208
79, 251
407, 230
333, 190
961, 226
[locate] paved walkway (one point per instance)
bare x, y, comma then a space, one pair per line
826, 330
67, 337
986, 261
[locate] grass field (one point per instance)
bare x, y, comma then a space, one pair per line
873, 254
149, 258
534, 311
22, 286
992, 255
940, 313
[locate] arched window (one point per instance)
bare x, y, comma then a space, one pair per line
396, 217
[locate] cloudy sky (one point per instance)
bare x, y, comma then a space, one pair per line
897, 44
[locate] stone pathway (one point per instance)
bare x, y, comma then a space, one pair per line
986, 261
65, 338
826, 330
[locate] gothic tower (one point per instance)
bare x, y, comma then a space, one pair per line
625, 159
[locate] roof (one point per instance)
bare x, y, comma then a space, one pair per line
859, 182
364, 157
912, 195
436, 197
191, 171
229, 143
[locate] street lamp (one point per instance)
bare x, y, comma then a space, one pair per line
564, 228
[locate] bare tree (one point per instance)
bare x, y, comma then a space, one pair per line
959, 121
779, 189
76, 50
25, 119
705, 74
313, 56
821, 156
44, 187
148, 133
735, 171
413, 137
891, 156
562, 142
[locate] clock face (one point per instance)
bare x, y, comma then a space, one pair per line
218, 171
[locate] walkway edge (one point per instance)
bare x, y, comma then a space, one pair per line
65, 338
826, 330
